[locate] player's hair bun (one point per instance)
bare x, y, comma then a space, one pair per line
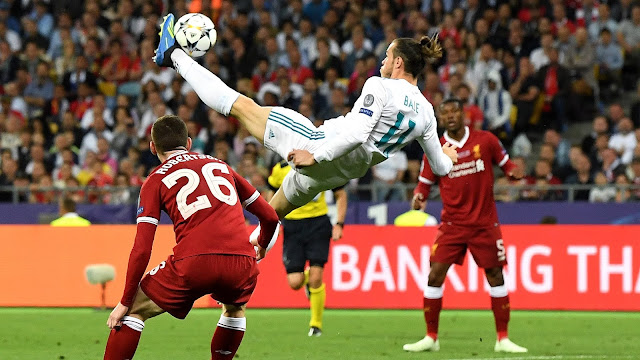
430, 47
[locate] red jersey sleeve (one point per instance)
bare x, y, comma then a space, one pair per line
499, 154
425, 179
147, 220
258, 206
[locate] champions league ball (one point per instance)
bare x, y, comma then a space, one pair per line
195, 33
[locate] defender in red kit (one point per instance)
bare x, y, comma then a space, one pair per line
469, 221
204, 198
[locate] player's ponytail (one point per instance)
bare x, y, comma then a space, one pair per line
417, 54
431, 49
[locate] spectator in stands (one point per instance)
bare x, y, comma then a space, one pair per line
580, 60
524, 91
560, 145
611, 165
39, 91
629, 39
90, 141
540, 56
621, 10
542, 176
10, 36
603, 22
583, 176
485, 64
603, 192
474, 118
624, 140
609, 59
8, 175
623, 193
495, 103
633, 173
387, 178
555, 88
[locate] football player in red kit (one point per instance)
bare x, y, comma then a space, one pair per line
204, 198
469, 221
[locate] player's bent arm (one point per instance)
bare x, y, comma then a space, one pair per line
255, 204
268, 220
138, 260
358, 123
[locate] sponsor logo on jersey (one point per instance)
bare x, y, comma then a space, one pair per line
467, 168
368, 100
140, 210
367, 112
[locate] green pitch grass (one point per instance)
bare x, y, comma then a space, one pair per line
282, 334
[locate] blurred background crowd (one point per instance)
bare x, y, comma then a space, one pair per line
556, 80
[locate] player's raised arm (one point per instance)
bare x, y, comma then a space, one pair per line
358, 123
440, 162
147, 220
255, 204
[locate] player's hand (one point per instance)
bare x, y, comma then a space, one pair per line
517, 173
336, 233
450, 151
260, 251
301, 158
115, 318
418, 202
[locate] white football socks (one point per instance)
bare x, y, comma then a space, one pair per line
211, 90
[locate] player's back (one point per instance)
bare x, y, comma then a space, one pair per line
406, 115
200, 195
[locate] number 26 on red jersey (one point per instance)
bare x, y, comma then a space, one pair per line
193, 180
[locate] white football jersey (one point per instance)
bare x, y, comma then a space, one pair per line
388, 115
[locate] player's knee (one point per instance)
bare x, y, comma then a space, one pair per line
494, 276
436, 278
232, 310
295, 280
315, 277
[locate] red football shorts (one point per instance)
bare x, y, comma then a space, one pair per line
175, 285
484, 243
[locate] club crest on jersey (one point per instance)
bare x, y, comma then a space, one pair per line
367, 112
476, 151
368, 100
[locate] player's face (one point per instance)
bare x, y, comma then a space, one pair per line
387, 63
451, 117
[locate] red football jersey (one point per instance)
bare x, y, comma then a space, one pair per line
204, 198
467, 191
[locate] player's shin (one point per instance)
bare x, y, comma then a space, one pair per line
432, 305
210, 89
227, 338
317, 298
501, 309
123, 342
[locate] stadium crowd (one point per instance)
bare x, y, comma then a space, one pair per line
80, 91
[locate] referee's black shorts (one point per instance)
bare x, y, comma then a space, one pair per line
306, 240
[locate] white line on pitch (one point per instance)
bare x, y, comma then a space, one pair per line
553, 357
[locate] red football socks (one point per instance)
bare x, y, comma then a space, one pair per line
432, 304
501, 309
122, 343
431, 310
227, 338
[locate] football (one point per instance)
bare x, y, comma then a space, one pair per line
195, 33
